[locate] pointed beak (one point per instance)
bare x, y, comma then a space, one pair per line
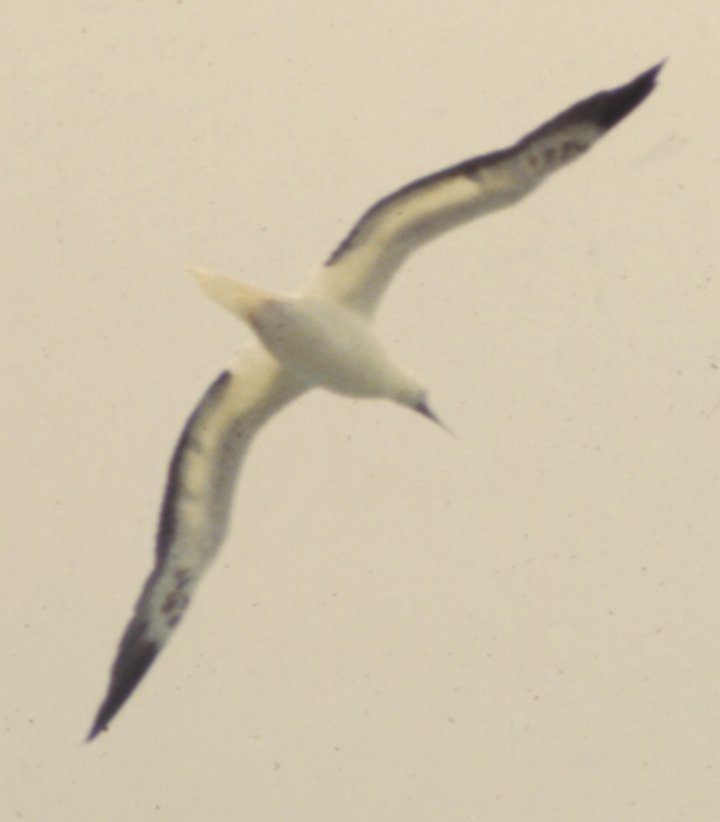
423, 408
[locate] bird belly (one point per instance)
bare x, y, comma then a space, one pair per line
327, 345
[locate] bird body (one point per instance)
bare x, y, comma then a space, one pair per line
322, 336
318, 340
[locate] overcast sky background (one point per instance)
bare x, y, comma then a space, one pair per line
518, 624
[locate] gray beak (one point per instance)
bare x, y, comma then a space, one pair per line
423, 408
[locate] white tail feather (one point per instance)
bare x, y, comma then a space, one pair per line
239, 298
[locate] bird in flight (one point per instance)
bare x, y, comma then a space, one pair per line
322, 336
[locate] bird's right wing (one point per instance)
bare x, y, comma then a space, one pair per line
360, 268
195, 510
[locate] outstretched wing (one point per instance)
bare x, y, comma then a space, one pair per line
195, 510
360, 268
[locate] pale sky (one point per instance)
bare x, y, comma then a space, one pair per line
521, 623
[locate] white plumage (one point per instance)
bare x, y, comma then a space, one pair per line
322, 336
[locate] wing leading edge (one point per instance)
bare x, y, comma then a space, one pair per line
360, 268
195, 511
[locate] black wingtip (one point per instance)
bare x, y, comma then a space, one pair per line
96, 729
130, 669
610, 107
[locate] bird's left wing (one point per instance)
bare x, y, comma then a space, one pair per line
195, 510
360, 268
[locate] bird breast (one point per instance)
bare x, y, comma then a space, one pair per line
327, 344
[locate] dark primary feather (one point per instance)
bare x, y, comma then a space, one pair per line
604, 109
137, 649
195, 510
135, 656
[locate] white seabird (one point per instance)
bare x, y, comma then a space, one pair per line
322, 336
